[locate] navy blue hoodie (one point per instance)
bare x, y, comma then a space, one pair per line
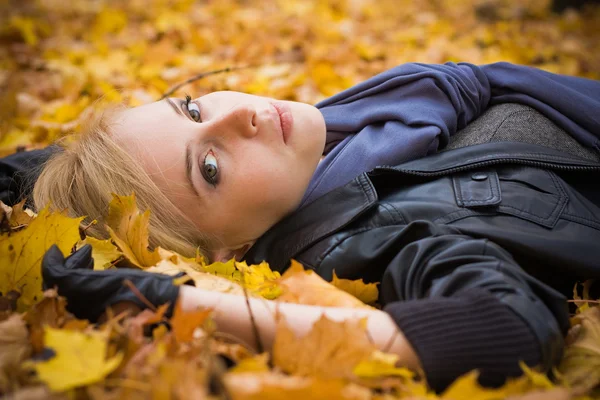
411, 110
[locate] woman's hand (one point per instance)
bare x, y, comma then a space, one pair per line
90, 292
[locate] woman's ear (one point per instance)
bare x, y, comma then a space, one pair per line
226, 254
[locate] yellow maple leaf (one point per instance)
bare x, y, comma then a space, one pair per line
306, 287
467, 387
381, 364
365, 292
330, 350
129, 230
79, 359
258, 279
21, 253
103, 252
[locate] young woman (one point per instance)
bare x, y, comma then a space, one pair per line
450, 236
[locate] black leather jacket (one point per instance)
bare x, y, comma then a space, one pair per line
450, 237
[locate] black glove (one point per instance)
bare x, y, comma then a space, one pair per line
90, 292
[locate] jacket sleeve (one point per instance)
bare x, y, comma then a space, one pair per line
18, 173
463, 303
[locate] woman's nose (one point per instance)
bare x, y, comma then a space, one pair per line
242, 120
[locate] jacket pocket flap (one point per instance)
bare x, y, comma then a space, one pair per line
477, 189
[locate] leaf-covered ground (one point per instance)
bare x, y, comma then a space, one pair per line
57, 58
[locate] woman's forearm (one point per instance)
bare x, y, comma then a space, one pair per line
232, 316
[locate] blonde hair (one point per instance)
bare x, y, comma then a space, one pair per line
82, 174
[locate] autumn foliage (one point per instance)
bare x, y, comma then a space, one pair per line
58, 58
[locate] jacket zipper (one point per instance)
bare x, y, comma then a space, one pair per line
494, 162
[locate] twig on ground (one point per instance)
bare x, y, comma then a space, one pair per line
194, 78
139, 294
259, 346
584, 301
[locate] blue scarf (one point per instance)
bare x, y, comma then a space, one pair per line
411, 110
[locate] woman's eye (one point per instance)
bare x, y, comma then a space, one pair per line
210, 169
194, 111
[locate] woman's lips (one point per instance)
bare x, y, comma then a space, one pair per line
286, 119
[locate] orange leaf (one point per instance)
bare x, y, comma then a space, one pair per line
185, 322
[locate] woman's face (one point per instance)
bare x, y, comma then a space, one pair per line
234, 163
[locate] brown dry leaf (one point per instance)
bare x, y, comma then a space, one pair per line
580, 366
21, 254
129, 230
39, 392
51, 311
365, 292
20, 216
272, 385
306, 287
14, 348
330, 350
184, 323
552, 394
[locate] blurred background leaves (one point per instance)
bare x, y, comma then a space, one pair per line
57, 57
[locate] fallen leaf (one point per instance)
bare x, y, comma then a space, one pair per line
552, 394
306, 287
580, 366
201, 280
21, 254
381, 364
365, 292
20, 216
103, 252
258, 279
275, 386
79, 359
129, 230
49, 312
258, 363
330, 350
14, 348
184, 323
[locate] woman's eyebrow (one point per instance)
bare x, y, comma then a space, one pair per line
174, 106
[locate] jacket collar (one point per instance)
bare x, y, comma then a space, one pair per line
497, 152
312, 222
343, 205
